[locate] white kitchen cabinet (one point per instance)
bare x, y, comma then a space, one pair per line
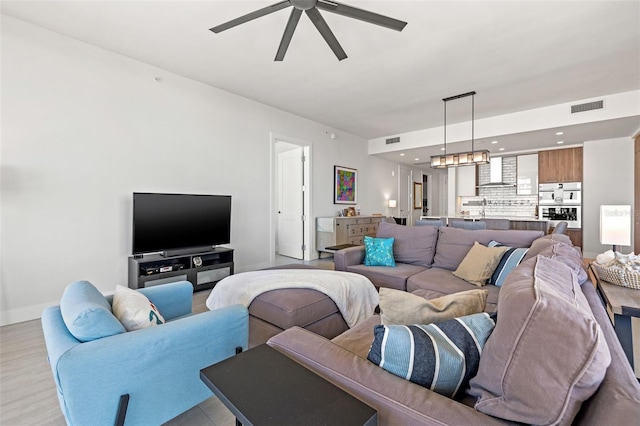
466, 181
527, 172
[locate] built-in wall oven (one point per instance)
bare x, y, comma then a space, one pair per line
571, 215
561, 202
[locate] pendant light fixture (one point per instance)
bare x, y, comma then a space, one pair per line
461, 158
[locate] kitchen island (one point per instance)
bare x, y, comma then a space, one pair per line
498, 222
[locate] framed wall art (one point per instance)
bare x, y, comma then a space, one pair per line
417, 195
345, 185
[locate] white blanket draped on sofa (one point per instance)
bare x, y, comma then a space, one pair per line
354, 295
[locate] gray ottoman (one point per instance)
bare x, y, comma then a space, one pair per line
277, 310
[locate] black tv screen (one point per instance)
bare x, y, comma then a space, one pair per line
165, 222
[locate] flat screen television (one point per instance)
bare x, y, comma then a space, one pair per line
173, 223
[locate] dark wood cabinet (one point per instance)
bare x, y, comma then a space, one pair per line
560, 165
576, 236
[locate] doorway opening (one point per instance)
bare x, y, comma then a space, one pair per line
290, 199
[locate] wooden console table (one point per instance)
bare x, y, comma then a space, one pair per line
338, 231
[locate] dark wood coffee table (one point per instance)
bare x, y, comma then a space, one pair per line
264, 387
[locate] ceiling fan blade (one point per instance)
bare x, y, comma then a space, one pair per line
363, 15
288, 33
326, 33
251, 16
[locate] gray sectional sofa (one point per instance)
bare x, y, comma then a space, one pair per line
554, 359
426, 255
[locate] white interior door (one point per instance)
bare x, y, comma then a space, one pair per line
290, 203
405, 196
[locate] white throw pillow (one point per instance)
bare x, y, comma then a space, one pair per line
134, 310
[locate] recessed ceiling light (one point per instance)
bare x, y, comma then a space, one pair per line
494, 142
560, 142
441, 149
402, 154
501, 149
559, 133
416, 159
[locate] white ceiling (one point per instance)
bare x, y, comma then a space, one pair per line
517, 55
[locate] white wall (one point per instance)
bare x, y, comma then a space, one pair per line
83, 128
608, 179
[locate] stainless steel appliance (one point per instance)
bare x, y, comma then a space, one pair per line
561, 202
572, 215
553, 194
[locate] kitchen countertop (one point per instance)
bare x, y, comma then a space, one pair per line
512, 218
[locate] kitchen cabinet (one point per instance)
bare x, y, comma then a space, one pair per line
530, 225
527, 174
466, 181
576, 236
560, 165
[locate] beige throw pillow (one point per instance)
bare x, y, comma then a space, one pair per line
402, 308
479, 263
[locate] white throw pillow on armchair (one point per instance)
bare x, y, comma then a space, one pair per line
134, 310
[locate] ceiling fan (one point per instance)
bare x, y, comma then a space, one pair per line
311, 8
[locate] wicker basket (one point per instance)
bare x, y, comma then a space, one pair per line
618, 276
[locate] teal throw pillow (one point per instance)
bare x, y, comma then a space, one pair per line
441, 356
378, 251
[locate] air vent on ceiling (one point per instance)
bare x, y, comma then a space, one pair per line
393, 140
587, 107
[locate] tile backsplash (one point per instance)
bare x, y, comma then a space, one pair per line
501, 201
525, 206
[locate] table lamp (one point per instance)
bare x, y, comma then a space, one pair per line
615, 225
392, 204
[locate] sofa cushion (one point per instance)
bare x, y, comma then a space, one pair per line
545, 241
87, 313
453, 243
546, 332
436, 282
134, 310
414, 245
554, 246
510, 259
382, 276
441, 356
402, 308
378, 251
479, 263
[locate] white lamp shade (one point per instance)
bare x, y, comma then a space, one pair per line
615, 225
393, 204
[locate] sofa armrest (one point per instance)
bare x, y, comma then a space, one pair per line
158, 367
398, 401
348, 257
173, 300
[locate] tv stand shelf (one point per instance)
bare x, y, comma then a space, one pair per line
203, 269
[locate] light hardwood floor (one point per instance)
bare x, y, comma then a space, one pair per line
27, 390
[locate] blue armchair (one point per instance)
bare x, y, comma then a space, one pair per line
142, 377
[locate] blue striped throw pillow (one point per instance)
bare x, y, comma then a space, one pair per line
442, 357
510, 259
